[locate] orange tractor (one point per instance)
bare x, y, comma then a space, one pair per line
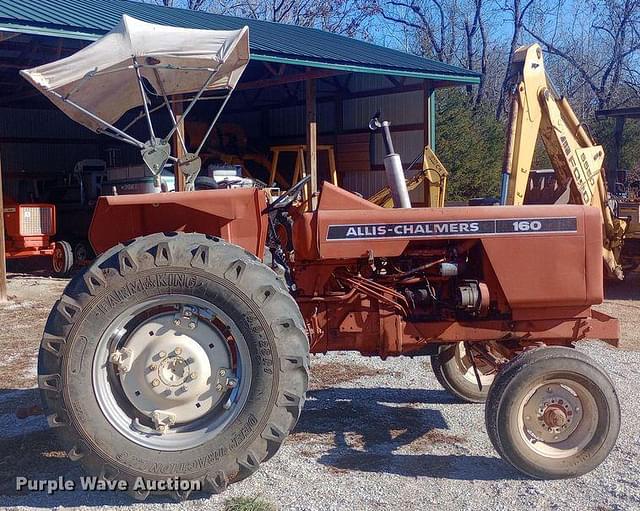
182, 352
29, 229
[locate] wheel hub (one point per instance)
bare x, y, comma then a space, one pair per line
555, 416
552, 413
174, 371
169, 370
178, 375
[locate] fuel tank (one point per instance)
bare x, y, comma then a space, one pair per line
234, 214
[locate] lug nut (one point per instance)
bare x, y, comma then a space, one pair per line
194, 375
155, 382
178, 350
153, 367
177, 322
219, 387
192, 325
222, 372
162, 354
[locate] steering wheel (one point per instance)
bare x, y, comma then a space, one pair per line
288, 197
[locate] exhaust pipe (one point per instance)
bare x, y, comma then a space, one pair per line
392, 165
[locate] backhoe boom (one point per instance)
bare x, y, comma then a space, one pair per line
538, 110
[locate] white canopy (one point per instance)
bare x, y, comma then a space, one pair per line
101, 78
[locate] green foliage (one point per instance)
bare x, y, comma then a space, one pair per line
630, 151
248, 504
630, 157
470, 144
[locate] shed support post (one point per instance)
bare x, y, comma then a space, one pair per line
178, 149
312, 138
3, 261
429, 120
428, 127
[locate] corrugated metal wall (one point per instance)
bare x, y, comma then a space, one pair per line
43, 140
40, 123
401, 109
290, 121
66, 142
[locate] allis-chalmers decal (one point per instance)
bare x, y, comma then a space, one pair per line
452, 228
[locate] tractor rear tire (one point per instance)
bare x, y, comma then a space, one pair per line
553, 413
117, 365
453, 370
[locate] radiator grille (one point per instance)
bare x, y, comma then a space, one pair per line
36, 220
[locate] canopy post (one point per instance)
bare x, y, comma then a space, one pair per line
213, 123
3, 254
165, 99
192, 103
143, 96
312, 138
125, 137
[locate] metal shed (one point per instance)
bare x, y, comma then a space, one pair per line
302, 86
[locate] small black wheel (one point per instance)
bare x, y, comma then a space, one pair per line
453, 369
553, 413
62, 259
82, 253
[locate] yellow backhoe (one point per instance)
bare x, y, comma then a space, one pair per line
538, 110
434, 176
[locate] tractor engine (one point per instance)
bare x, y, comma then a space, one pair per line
373, 302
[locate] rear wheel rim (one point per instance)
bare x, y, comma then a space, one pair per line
172, 372
465, 367
558, 418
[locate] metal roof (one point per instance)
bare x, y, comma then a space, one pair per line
275, 42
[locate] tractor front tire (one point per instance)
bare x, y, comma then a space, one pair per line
174, 357
553, 413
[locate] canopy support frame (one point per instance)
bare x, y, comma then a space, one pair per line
154, 142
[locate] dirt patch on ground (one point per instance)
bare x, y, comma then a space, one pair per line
25, 454
312, 445
435, 437
336, 373
22, 320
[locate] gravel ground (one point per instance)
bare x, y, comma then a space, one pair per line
373, 434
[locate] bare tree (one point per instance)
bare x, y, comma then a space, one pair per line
348, 17
472, 29
429, 19
602, 48
517, 10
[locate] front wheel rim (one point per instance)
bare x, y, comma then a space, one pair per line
171, 372
558, 418
58, 258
